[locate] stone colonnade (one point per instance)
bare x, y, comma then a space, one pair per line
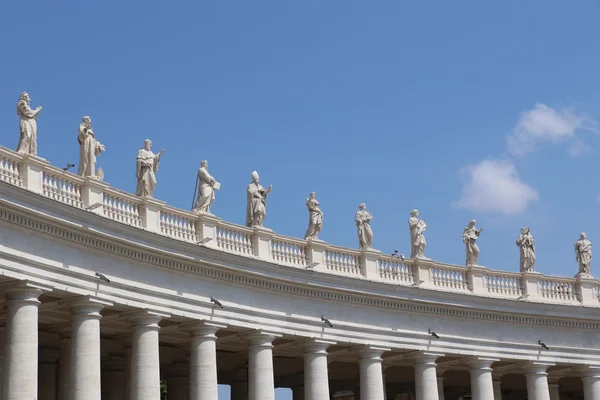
79, 368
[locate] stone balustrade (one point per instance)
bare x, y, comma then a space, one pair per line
38, 176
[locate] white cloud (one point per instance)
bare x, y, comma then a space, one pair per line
494, 186
544, 124
579, 148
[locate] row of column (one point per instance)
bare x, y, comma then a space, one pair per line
81, 362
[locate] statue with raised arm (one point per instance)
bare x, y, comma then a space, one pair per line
417, 238
256, 202
583, 255
208, 185
89, 148
315, 217
363, 223
470, 235
27, 126
526, 244
146, 167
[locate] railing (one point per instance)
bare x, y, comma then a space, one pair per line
122, 207
504, 283
10, 169
343, 261
234, 239
290, 251
558, 288
178, 224
394, 269
36, 175
449, 276
63, 187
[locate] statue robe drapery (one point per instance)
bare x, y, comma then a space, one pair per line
417, 239
89, 148
315, 219
527, 259
206, 196
146, 166
365, 233
256, 205
583, 255
470, 236
28, 128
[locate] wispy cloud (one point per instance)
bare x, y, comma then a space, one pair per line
495, 186
544, 124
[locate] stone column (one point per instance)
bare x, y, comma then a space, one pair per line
482, 387
537, 381
298, 393
47, 371
554, 391
64, 367
113, 378
440, 384
85, 349
127, 370
591, 383
20, 378
239, 387
145, 358
261, 385
497, 389
2, 347
371, 373
426, 376
203, 361
178, 388
316, 377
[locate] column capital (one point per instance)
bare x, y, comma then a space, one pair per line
483, 363
372, 352
589, 371
202, 328
25, 291
315, 345
145, 318
426, 357
537, 368
261, 338
86, 305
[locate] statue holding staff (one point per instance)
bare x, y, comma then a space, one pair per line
89, 148
315, 217
470, 235
526, 244
256, 202
583, 255
146, 167
208, 185
363, 223
417, 238
27, 126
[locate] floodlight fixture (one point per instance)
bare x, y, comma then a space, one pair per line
327, 322
217, 302
543, 345
101, 276
435, 335
93, 206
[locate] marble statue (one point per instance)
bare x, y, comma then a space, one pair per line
315, 217
417, 238
89, 148
583, 255
526, 244
28, 125
146, 167
256, 208
470, 235
363, 223
208, 185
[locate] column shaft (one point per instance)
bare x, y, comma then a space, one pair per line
482, 386
239, 388
64, 368
316, 378
47, 382
498, 390
112, 385
145, 358
537, 383
261, 385
298, 393
178, 388
20, 378
203, 363
85, 351
591, 387
127, 367
440, 385
371, 374
426, 377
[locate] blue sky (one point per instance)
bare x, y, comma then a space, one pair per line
463, 110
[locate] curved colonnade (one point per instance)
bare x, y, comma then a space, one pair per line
107, 293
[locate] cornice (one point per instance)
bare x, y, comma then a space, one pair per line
75, 234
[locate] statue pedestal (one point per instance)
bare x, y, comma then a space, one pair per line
586, 291
476, 278
261, 242
530, 284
